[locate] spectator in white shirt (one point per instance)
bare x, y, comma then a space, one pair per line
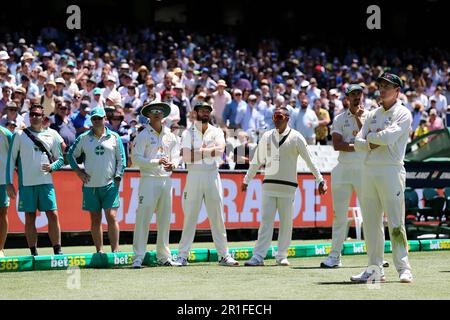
441, 102
220, 99
305, 121
313, 92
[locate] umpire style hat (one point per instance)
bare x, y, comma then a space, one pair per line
391, 78
353, 87
155, 107
203, 105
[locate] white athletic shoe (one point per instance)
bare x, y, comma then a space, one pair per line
137, 263
331, 262
367, 276
2, 254
254, 262
228, 261
169, 263
181, 262
406, 276
283, 262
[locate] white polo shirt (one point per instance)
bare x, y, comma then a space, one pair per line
393, 128
345, 124
149, 147
193, 138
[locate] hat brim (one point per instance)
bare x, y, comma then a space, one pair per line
390, 81
164, 107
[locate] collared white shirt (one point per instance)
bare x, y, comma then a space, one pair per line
388, 129
104, 157
345, 125
193, 137
149, 147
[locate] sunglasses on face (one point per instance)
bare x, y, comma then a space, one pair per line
116, 119
156, 112
279, 116
96, 118
35, 115
11, 109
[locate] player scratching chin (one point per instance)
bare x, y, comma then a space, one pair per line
278, 151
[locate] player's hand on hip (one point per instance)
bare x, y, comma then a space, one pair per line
11, 191
83, 176
244, 187
323, 188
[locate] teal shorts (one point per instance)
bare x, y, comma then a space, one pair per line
96, 199
4, 199
41, 197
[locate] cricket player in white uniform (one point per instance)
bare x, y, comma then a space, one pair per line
202, 148
346, 176
5, 141
156, 152
104, 165
278, 150
38, 153
384, 136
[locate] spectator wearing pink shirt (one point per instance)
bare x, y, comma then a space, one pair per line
221, 98
435, 121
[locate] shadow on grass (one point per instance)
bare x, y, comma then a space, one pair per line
351, 283
313, 268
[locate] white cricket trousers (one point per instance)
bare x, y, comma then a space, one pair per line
383, 191
270, 205
203, 184
345, 178
154, 193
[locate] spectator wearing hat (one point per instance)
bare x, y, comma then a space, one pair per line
41, 81
82, 120
110, 87
19, 97
231, 109
334, 98
435, 122
305, 121
48, 98
324, 119
60, 87
12, 114
206, 81
182, 102
220, 99
142, 74
6, 97
69, 81
98, 98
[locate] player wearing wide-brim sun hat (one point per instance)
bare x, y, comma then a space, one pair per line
156, 107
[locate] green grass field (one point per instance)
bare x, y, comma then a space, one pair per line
302, 280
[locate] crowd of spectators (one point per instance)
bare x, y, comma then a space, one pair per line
123, 72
